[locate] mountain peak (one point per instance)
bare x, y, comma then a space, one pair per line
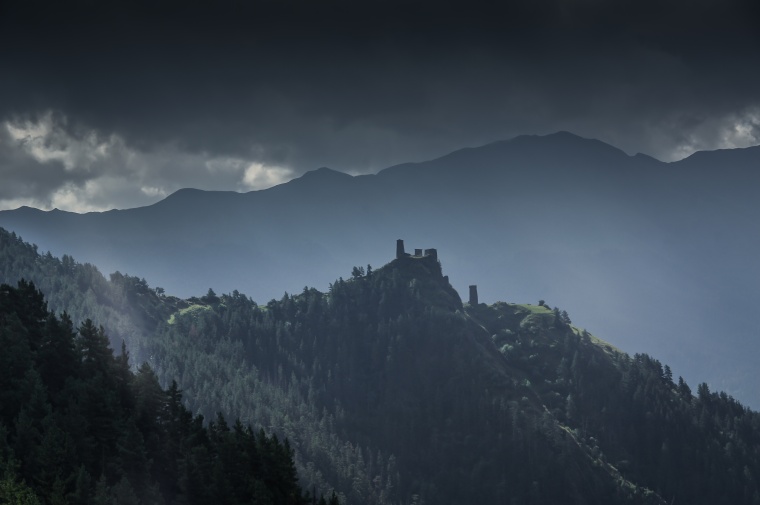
192, 196
324, 173
421, 272
567, 140
561, 154
316, 182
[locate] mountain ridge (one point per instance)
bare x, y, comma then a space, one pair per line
605, 239
432, 398
566, 139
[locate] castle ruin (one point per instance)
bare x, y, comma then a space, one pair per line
431, 253
418, 253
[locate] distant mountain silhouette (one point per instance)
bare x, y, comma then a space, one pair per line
658, 257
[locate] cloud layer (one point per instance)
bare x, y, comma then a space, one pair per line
116, 105
47, 165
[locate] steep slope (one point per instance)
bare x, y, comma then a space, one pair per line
393, 390
77, 426
211, 370
629, 412
376, 383
414, 375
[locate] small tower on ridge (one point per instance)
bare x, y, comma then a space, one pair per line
473, 294
400, 249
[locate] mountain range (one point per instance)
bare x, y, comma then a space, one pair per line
657, 257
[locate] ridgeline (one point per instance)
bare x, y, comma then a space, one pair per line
390, 390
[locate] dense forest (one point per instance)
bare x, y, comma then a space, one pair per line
390, 390
78, 426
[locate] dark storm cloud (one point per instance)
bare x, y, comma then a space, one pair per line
25, 177
360, 85
46, 162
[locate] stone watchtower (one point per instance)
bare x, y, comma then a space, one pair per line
473, 294
400, 249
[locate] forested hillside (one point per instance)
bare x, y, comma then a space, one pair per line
217, 376
629, 412
78, 426
391, 390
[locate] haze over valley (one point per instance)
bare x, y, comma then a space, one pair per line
653, 256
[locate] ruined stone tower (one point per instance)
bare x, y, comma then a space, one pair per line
400, 249
473, 294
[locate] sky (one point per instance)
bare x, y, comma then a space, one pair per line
118, 104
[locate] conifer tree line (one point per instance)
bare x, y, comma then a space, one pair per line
211, 371
78, 426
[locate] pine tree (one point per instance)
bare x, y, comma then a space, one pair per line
334, 499
93, 347
16, 493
